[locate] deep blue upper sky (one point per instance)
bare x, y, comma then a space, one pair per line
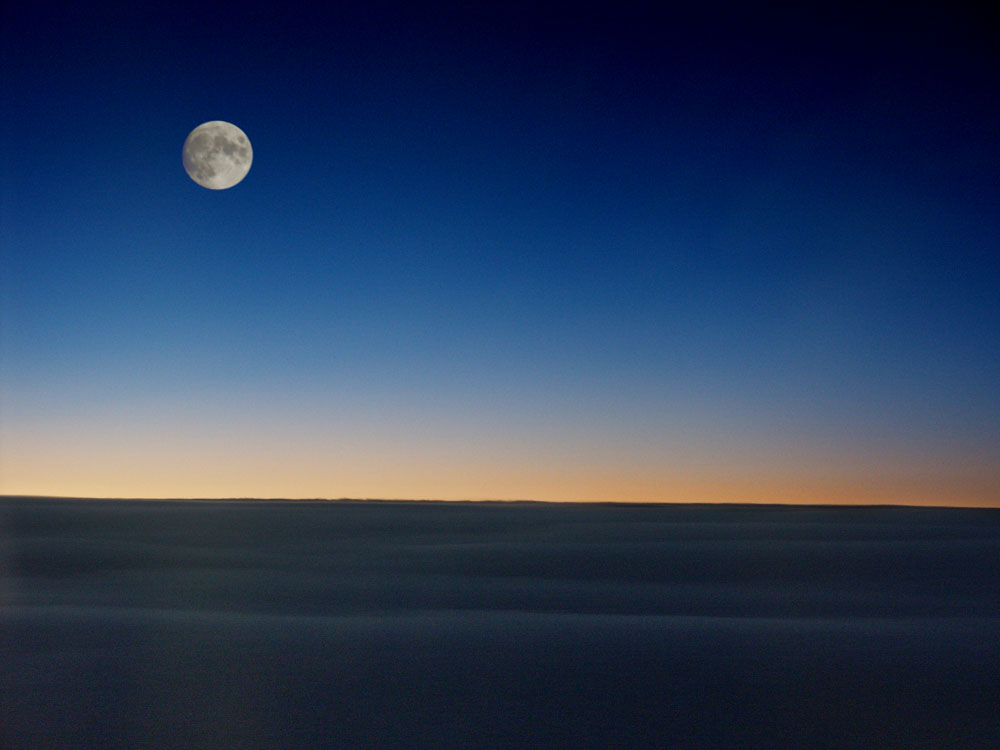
763, 233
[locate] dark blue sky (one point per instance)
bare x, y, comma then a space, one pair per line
541, 251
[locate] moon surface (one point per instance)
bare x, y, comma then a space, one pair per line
217, 155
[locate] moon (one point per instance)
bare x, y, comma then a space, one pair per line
217, 155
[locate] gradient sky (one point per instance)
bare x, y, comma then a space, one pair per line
536, 251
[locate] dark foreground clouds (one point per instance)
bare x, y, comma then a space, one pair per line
149, 624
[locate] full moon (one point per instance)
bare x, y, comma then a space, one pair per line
217, 155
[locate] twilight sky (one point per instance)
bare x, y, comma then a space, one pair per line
537, 251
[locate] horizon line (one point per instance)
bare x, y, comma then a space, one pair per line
495, 501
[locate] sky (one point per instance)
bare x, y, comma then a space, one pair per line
708, 252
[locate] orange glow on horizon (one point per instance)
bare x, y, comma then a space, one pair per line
497, 483
158, 458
